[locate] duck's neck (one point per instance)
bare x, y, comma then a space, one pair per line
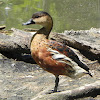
41, 34
44, 31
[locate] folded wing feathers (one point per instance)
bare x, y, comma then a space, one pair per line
61, 57
71, 61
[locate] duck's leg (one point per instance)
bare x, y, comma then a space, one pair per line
56, 83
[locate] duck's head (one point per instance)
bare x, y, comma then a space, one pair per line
41, 18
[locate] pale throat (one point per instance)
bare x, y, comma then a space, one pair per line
45, 30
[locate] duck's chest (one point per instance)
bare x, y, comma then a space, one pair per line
38, 47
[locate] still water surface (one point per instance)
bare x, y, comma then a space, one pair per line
67, 14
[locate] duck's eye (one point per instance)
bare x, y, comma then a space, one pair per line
37, 16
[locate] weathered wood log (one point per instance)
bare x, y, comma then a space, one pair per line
86, 41
16, 44
92, 89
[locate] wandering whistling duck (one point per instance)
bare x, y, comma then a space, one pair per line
53, 56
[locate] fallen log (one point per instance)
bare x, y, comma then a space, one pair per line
18, 41
92, 89
86, 41
16, 45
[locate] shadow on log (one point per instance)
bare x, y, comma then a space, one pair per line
16, 45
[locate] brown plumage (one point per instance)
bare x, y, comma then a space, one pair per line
53, 56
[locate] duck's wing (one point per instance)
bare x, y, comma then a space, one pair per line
61, 51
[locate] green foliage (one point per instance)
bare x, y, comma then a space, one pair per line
67, 14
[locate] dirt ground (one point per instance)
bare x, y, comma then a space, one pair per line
24, 81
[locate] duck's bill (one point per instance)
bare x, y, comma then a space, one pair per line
29, 22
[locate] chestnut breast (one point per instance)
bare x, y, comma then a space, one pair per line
43, 57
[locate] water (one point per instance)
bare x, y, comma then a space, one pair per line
67, 14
